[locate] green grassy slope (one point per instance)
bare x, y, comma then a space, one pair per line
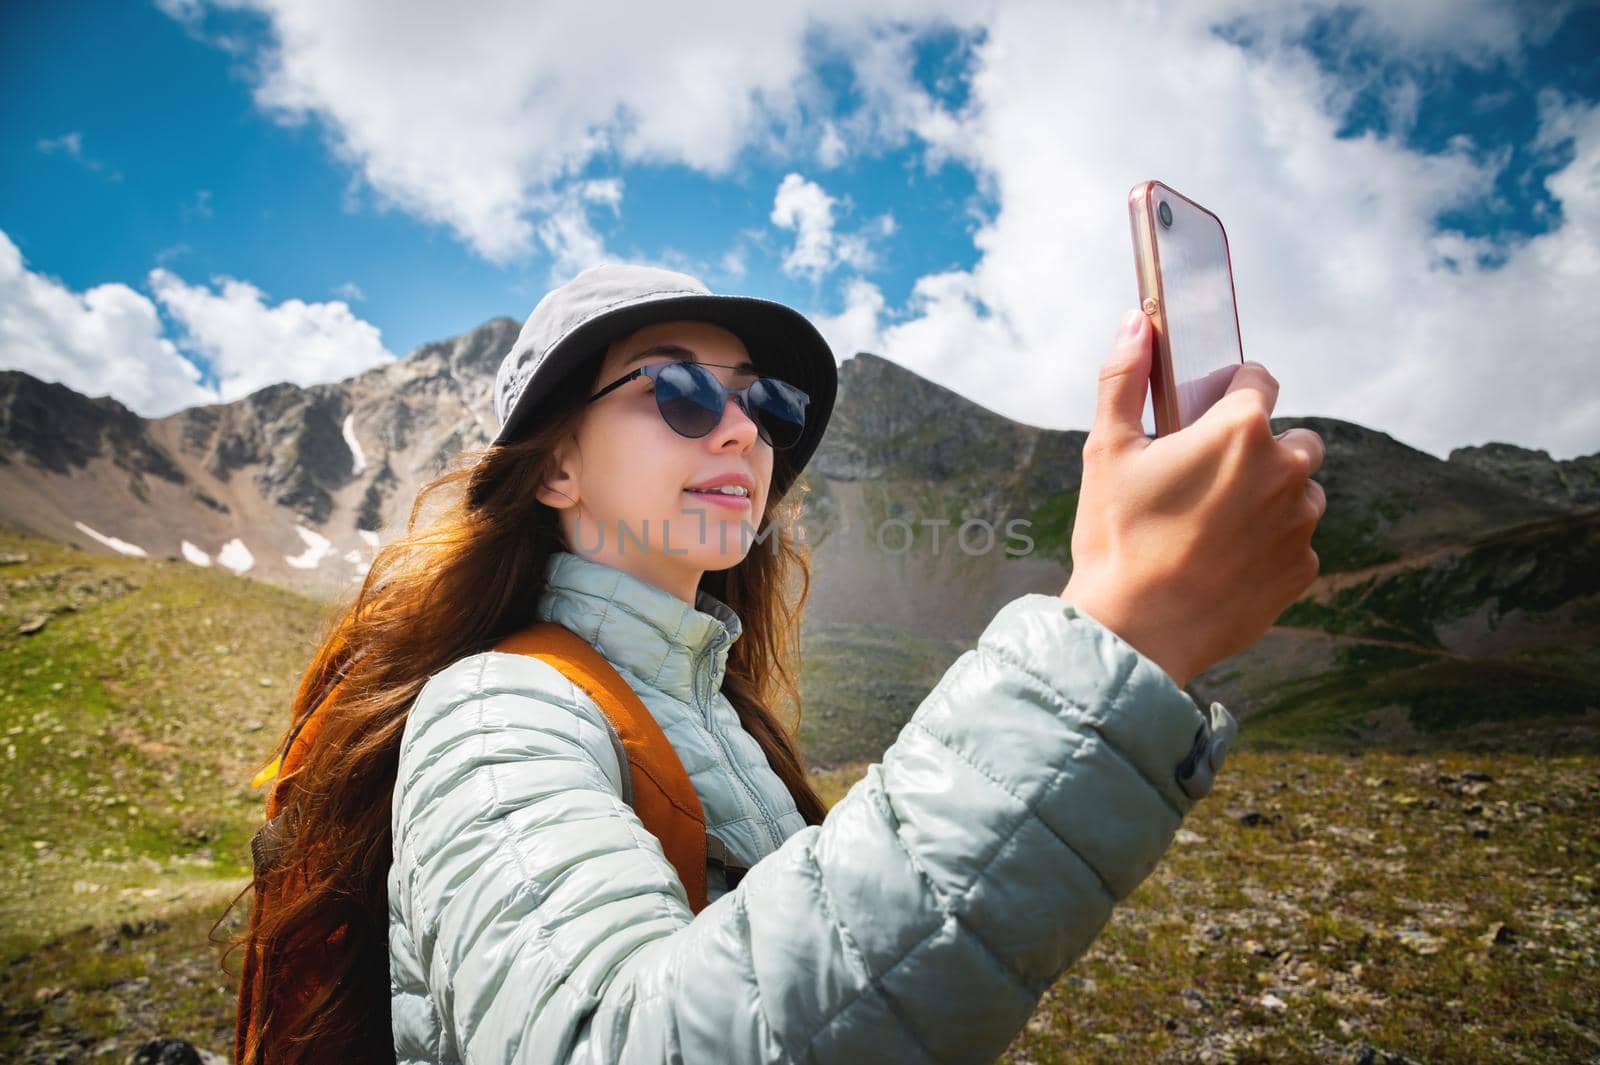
132, 721
1495, 645
1392, 697
859, 685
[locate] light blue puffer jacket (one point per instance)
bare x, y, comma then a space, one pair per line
533, 919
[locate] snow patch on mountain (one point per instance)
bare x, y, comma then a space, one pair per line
194, 554
318, 547
235, 556
120, 546
357, 456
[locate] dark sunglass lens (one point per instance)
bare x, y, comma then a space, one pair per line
780, 411
688, 396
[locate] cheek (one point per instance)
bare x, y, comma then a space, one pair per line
633, 462
615, 449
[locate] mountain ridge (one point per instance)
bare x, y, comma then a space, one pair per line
1451, 586
298, 485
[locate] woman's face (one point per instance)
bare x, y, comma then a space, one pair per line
625, 474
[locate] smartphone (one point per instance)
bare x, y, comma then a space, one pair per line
1186, 287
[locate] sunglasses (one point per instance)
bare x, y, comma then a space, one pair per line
691, 401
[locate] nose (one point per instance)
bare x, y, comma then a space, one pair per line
736, 425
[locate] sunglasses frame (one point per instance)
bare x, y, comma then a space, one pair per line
740, 395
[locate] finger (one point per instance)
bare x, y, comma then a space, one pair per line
1124, 384
1308, 443
1318, 497
1254, 377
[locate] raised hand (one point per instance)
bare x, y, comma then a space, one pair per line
1191, 545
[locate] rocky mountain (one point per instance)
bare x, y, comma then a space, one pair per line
925, 511
298, 486
919, 505
292, 485
1566, 484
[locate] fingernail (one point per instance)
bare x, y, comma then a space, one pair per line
1130, 323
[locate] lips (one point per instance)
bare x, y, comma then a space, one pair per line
724, 480
730, 490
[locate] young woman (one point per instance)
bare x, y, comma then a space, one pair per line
501, 902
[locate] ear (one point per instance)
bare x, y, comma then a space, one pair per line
560, 488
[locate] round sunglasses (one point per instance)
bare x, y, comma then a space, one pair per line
691, 400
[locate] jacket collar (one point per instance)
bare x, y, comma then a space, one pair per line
674, 648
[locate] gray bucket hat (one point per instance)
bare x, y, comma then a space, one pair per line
574, 323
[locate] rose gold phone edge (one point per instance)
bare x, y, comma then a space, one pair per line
1147, 263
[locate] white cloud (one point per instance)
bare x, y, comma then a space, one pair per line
110, 340
733, 264
607, 191
565, 228
830, 146
894, 107
199, 208
804, 208
249, 343
494, 115
1342, 290
1338, 266
185, 11
350, 292
856, 328
107, 340
71, 145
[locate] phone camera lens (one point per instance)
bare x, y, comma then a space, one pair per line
1164, 213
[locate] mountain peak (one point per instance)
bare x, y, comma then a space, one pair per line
890, 422
474, 352
865, 375
1565, 483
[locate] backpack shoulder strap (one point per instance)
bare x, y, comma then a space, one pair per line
663, 797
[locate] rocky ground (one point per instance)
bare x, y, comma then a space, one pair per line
1314, 908
1377, 908
1353, 907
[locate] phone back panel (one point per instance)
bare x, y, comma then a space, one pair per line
1189, 276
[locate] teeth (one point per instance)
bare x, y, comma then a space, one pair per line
726, 489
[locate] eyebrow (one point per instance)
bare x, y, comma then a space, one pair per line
681, 352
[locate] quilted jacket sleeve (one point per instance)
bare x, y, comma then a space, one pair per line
1036, 786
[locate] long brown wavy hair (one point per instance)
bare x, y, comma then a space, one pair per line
468, 572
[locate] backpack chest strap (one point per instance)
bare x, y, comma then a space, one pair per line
662, 794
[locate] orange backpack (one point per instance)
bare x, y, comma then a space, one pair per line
661, 795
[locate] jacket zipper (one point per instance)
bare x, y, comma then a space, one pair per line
769, 822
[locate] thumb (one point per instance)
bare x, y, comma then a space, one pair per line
1125, 382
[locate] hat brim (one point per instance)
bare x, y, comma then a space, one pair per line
781, 341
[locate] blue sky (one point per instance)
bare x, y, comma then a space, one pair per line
198, 199
187, 173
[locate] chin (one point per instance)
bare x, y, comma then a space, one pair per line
710, 532
713, 555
